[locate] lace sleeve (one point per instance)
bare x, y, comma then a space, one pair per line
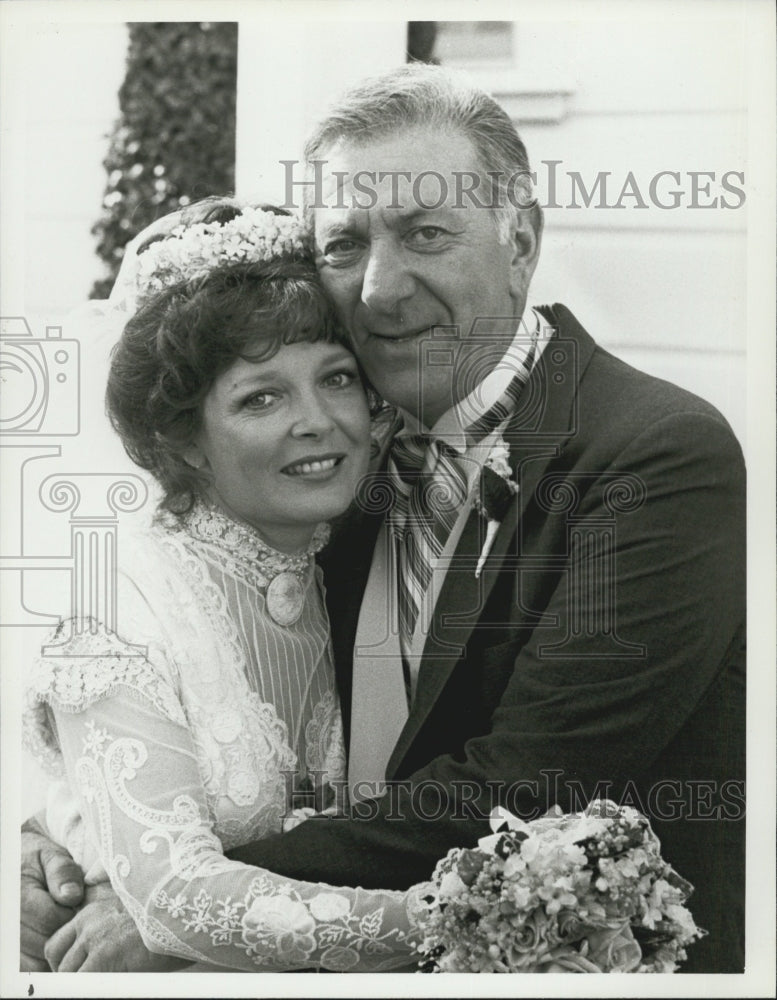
135, 770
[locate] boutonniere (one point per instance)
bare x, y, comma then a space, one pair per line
497, 491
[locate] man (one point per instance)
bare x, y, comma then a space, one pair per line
591, 642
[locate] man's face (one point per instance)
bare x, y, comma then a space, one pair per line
406, 264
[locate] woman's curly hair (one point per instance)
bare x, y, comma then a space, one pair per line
182, 339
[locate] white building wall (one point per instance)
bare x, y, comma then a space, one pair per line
281, 90
664, 289
65, 81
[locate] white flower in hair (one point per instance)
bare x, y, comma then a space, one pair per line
254, 236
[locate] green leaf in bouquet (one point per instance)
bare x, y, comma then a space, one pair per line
650, 938
678, 882
470, 865
509, 843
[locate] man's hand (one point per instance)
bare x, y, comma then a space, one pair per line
102, 937
52, 885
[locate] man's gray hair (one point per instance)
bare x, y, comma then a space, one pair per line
419, 94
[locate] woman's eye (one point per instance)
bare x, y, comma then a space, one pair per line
261, 400
341, 379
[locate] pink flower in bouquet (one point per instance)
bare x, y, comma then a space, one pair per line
614, 949
566, 960
569, 928
529, 942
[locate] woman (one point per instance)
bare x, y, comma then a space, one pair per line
190, 733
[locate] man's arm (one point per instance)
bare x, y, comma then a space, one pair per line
52, 886
592, 714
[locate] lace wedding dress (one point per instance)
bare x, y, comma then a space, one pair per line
196, 740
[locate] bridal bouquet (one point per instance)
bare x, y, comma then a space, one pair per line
581, 892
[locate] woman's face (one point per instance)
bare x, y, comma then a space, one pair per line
286, 440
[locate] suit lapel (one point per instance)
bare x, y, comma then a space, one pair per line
544, 421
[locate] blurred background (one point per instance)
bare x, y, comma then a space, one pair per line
113, 124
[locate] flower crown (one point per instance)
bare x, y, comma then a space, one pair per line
188, 252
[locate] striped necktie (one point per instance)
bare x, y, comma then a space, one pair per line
431, 486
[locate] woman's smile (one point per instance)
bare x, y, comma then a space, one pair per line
315, 468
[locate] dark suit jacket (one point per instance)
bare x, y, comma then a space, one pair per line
600, 653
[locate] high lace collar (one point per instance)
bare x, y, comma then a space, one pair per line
241, 542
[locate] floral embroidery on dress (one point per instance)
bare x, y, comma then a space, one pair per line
283, 926
95, 740
157, 936
325, 741
273, 922
277, 926
236, 725
72, 683
194, 748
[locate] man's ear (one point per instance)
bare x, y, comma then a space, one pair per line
526, 239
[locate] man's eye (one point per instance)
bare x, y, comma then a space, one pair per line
341, 379
427, 234
340, 248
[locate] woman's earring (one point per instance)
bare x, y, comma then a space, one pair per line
195, 458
